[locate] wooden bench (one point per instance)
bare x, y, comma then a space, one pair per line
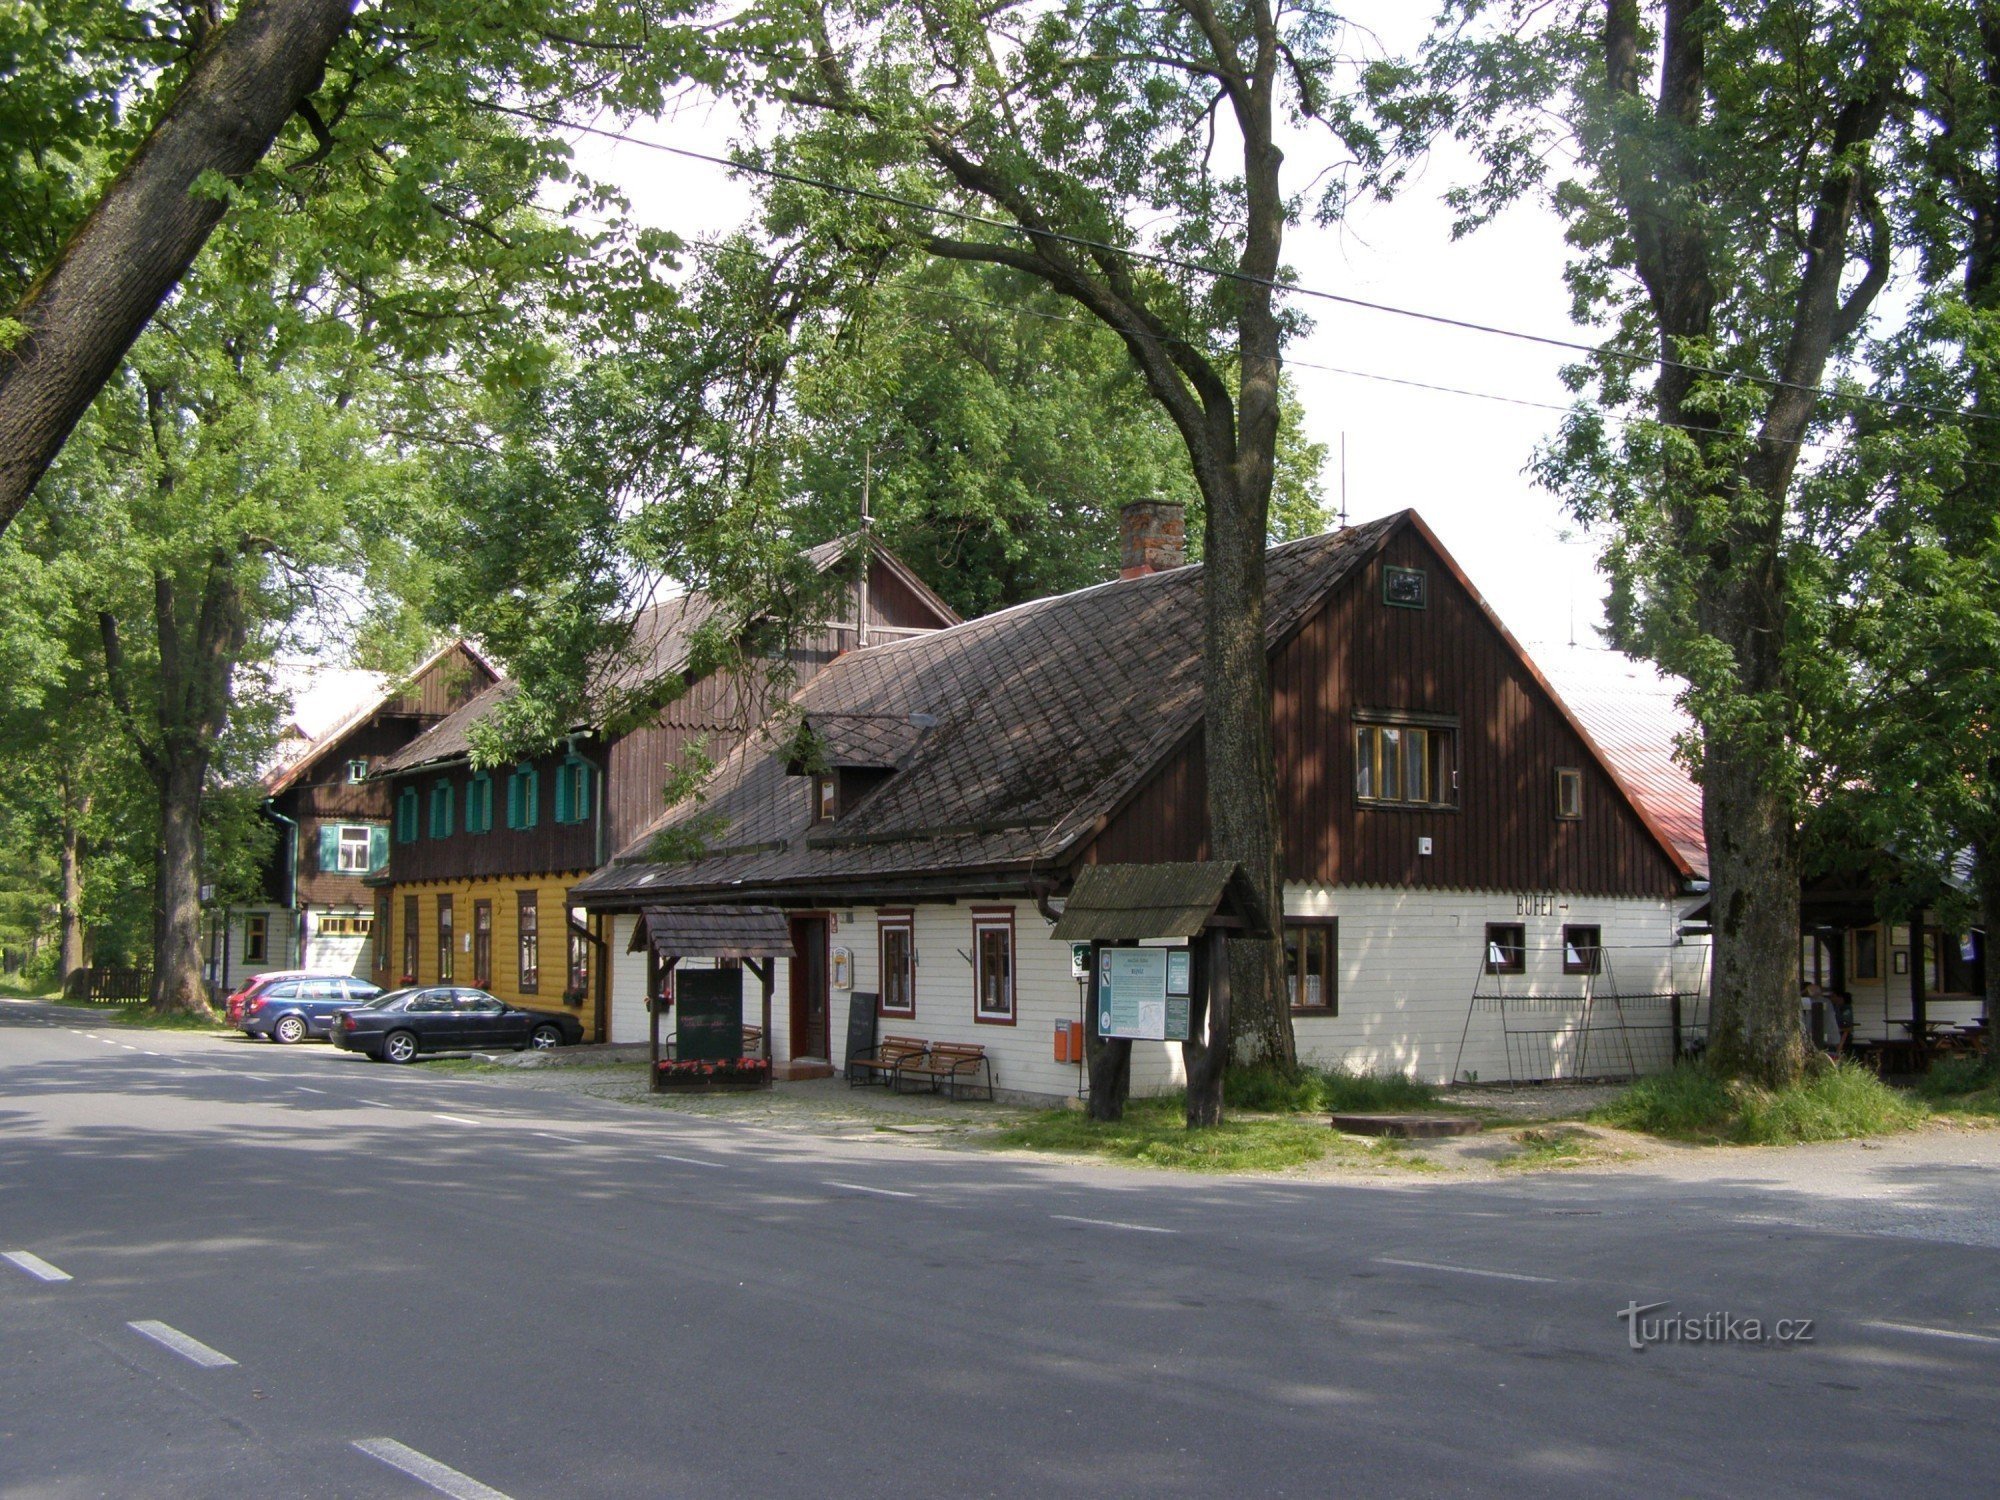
948, 1065
884, 1059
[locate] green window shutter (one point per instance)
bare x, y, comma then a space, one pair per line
580, 801
407, 815
562, 791
329, 846
441, 800
514, 798
479, 804
378, 849
531, 796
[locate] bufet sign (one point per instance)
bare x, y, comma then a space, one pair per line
1142, 994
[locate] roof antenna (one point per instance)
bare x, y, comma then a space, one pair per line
867, 552
1343, 481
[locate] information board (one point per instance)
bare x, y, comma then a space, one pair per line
1133, 994
861, 1021
709, 1007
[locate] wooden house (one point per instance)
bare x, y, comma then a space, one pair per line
1469, 876
332, 819
482, 857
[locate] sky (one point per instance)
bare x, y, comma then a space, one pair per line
1458, 460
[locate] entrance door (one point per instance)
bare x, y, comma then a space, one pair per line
810, 999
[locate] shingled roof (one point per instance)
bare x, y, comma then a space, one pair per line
1030, 725
659, 646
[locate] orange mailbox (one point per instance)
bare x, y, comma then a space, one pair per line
1069, 1041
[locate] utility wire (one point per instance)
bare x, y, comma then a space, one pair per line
1224, 273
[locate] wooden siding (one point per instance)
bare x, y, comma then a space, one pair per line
719, 710
502, 851
1357, 652
454, 679
552, 925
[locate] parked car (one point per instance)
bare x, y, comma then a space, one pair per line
442, 1018
257, 983
290, 1010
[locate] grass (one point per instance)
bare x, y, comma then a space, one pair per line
1546, 1147
1691, 1103
1154, 1132
145, 1016
14, 986
1962, 1086
1320, 1091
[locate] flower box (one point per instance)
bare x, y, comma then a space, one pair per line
692, 1076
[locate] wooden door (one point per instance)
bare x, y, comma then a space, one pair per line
811, 1000
482, 944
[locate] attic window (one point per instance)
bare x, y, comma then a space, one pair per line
1569, 792
825, 802
1406, 588
357, 770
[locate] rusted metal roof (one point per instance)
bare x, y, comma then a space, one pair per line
713, 932
1117, 902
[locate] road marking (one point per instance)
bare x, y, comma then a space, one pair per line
457, 1119
857, 1187
1936, 1333
689, 1161
1431, 1265
1114, 1224
189, 1349
373, 1103
427, 1470
306, 1088
34, 1265
550, 1135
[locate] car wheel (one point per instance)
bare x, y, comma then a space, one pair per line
289, 1029
545, 1036
399, 1047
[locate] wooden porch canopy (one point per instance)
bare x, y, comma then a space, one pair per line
1123, 903
673, 932
752, 935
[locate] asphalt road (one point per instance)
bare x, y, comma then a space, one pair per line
433, 1285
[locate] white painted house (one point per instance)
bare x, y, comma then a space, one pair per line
1475, 885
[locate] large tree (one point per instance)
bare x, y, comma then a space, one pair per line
1722, 180
1129, 159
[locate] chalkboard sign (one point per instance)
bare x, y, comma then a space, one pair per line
710, 1006
860, 1021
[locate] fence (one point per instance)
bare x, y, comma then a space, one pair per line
120, 986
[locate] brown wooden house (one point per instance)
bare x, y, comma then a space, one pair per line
482, 858
332, 820
1453, 834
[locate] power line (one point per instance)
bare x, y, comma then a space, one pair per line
1180, 263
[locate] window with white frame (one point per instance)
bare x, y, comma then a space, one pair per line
353, 849
993, 967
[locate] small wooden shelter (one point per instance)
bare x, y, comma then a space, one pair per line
751, 935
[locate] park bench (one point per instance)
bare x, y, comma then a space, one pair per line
950, 1066
884, 1059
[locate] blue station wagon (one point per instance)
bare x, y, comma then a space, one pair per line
293, 1009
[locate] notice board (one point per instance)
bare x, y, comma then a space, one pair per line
1142, 993
710, 1006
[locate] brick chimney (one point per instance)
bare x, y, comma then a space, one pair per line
1152, 537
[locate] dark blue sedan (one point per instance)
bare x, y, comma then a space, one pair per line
396, 1027
293, 1009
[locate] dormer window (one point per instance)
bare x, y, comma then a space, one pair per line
357, 770
825, 799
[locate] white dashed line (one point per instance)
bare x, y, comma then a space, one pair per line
568, 1140
427, 1470
1936, 1333
34, 1265
457, 1119
1114, 1224
306, 1088
373, 1103
857, 1187
1431, 1265
688, 1161
193, 1350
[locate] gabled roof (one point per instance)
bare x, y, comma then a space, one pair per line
329, 703
1031, 727
660, 645
1166, 900
1035, 723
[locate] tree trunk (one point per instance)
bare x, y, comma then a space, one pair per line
70, 917
82, 314
177, 978
1753, 860
1110, 1074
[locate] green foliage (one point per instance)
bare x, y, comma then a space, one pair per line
1545, 1147
1693, 1103
1962, 1085
1318, 1091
